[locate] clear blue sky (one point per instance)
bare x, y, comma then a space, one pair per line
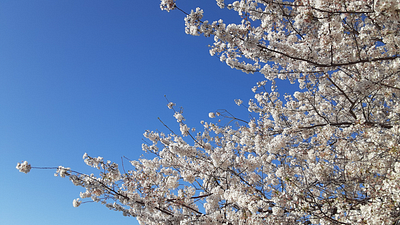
90, 76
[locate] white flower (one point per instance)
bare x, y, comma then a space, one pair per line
184, 129
86, 194
189, 177
179, 117
220, 3
238, 102
167, 5
76, 202
24, 167
211, 115
277, 211
280, 172
62, 171
172, 182
171, 105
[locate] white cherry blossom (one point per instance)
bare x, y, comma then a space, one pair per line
24, 167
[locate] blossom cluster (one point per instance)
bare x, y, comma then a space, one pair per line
24, 167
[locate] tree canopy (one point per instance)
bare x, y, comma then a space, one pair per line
328, 154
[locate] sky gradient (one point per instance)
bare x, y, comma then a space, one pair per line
90, 76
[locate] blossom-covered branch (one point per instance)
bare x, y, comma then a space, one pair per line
327, 154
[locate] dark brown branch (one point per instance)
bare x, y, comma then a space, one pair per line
347, 124
264, 48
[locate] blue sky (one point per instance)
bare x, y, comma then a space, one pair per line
90, 76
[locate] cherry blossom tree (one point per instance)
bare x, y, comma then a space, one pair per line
328, 154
